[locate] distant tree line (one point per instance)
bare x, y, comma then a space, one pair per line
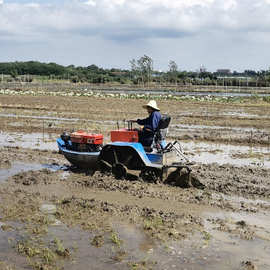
141, 73
91, 74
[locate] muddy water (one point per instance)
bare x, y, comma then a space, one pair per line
16, 168
134, 246
207, 153
55, 119
19, 167
210, 249
196, 253
226, 244
217, 253
8, 254
41, 141
182, 127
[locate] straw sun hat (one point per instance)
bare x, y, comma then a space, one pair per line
152, 104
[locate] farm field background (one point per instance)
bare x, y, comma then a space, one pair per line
107, 223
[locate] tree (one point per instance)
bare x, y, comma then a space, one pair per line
145, 65
142, 68
14, 74
134, 70
173, 70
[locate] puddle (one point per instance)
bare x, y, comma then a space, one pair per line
78, 242
203, 127
260, 220
10, 115
48, 209
134, 239
19, 167
223, 113
38, 141
7, 252
232, 246
57, 119
65, 175
135, 245
207, 153
222, 251
56, 167
244, 115
218, 251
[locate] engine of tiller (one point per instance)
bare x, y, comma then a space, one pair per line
82, 141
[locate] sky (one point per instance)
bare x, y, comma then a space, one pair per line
218, 34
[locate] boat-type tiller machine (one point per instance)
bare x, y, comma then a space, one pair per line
125, 153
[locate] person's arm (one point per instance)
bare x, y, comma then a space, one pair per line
143, 121
152, 122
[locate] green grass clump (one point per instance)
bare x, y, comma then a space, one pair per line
115, 239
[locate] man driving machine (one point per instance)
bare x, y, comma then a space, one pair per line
146, 134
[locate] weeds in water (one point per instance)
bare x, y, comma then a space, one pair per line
28, 248
206, 236
37, 265
60, 249
143, 265
6, 227
48, 256
115, 239
98, 241
41, 257
4, 266
119, 256
151, 224
38, 230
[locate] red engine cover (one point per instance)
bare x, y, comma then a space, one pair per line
124, 135
84, 137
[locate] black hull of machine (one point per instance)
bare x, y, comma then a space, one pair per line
82, 160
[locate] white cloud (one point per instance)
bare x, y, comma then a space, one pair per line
159, 18
32, 5
140, 22
91, 3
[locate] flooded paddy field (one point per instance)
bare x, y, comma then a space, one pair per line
55, 217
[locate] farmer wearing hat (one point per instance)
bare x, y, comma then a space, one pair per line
150, 123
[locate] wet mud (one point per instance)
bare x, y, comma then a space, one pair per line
53, 216
118, 222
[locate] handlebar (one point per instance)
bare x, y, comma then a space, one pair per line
130, 122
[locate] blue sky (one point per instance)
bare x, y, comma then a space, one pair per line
230, 34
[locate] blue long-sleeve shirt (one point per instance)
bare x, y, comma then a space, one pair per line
150, 122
